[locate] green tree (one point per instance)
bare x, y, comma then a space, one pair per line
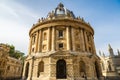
16, 53
12, 50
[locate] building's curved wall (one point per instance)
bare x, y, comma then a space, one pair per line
61, 34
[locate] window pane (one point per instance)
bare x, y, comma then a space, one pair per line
61, 45
60, 33
45, 36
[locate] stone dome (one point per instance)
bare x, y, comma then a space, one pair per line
61, 11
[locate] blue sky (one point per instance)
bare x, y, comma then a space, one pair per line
17, 17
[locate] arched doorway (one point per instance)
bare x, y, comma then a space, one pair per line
109, 66
82, 69
61, 69
97, 69
27, 70
40, 68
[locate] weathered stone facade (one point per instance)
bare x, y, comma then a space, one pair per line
62, 47
110, 65
10, 68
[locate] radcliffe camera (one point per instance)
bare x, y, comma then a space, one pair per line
61, 46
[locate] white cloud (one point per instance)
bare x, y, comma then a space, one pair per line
15, 24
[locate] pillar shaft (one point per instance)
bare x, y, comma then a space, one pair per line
36, 41
48, 40
53, 38
24, 71
93, 45
86, 41
68, 38
30, 45
40, 41
73, 40
82, 40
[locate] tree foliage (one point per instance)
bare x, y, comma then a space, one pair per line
16, 53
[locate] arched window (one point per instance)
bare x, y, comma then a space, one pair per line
88, 37
97, 69
32, 49
33, 39
44, 47
78, 47
90, 50
82, 68
27, 70
109, 66
8, 68
45, 36
103, 67
40, 68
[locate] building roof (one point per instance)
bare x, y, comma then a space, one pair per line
59, 11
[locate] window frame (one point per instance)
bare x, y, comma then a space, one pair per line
61, 45
60, 33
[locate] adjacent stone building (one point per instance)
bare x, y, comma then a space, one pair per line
62, 48
10, 68
110, 65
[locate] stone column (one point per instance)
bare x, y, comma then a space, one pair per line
40, 41
30, 45
93, 44
86, 41
53, 38
36, 41
35, 69
70, 70
48, 40
73, 39
24, 71
68, 38
31, 68
82, 40
52, 69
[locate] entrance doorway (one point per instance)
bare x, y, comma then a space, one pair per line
97, 69
27, 70
61, 69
